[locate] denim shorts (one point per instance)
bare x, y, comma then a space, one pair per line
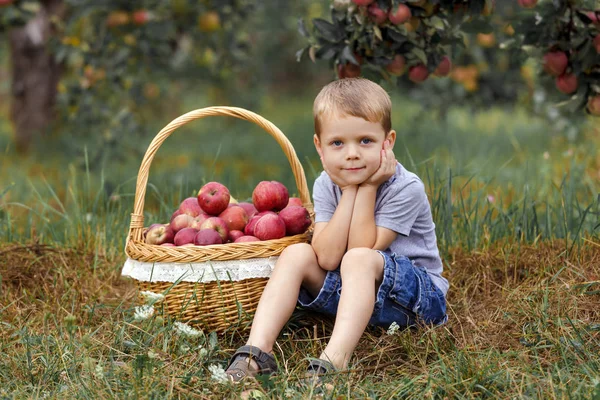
406, 296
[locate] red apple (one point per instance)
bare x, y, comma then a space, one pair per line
213, 198
249, 229
295, 201
247, 238
249, 208
567, 83
269, 227
527, 3
593, 105
233, 235
597, 43
593, 16
377, 15
141, 17
396, 67
235, 217
443, 67
348, 70
180, 222
191, 207
418, 73
176, 213
159, 234
271, 196
362, 2
555, 62
296, 219
206, 237
185, 236
218, 225
400, 14
197, 222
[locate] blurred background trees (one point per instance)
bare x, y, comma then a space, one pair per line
91, 74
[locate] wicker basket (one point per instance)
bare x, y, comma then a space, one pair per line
217, 305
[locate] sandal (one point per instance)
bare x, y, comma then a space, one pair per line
239, 365
316, 369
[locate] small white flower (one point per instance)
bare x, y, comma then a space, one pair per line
289, 392
143, 312
152, 297
217, 373
394, 327
203, 352
184, 348
99, 371
186, 330
88, 217
152, 355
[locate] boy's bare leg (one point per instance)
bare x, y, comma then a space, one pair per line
362, 272
297, 266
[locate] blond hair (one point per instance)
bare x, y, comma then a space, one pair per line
357, 97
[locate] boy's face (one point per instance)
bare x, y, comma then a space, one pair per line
350, 147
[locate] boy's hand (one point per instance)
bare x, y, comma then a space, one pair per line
343, 185
387, 167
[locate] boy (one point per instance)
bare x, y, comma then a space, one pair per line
373, 257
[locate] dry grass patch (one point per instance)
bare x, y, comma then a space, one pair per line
518, 314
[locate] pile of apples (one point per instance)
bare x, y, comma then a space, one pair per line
214, 217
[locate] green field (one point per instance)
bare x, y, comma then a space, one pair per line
517, 209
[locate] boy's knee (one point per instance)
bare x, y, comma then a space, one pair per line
298, 250
362, 260
297, 256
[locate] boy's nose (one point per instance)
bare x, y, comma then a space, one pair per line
352, 152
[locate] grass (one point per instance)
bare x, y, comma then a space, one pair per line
517, 215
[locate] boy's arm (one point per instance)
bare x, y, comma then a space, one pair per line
330, 239
363, 231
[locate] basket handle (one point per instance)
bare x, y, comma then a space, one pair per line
137, 217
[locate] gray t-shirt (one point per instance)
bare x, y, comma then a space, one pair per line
401, 205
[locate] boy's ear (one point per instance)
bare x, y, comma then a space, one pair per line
391, 136
318, 145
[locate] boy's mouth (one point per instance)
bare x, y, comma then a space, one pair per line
354, 169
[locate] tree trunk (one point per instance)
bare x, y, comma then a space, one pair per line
35, 75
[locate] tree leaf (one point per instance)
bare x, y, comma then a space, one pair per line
347, 55
328, 30
302, 28
420, 54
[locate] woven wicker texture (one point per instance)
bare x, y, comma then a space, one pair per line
215, 305
212, 307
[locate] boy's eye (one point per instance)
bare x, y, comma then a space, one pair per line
336, 143
366, 141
